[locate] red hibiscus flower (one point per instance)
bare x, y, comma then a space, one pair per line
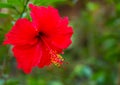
40, 41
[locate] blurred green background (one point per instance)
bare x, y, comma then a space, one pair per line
93, 57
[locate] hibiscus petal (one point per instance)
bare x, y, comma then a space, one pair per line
27, 58
22, 33
45, 58
45, 18
62, 38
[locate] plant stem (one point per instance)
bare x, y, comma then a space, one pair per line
24, 9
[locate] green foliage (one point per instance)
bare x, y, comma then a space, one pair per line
16, 2
92, 6
3, 15
46, 2
93, 58
6, 5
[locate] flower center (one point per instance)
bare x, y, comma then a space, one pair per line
40, 34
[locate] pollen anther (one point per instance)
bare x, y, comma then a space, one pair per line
56, 59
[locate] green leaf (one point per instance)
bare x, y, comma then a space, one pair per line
5, 5
2, 15
16, 2
109, 44
2, 82
83, 70
92, 6
55, 83
46, 2
12, 81
99, 77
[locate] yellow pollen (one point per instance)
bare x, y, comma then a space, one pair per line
56, 59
